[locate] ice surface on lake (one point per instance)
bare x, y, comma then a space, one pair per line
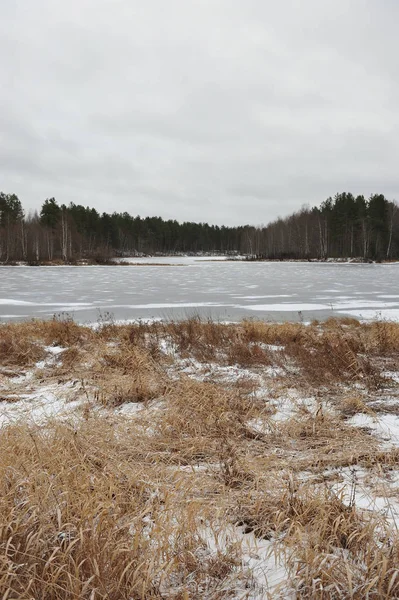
182, 287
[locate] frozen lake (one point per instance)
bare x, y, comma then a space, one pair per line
183, 287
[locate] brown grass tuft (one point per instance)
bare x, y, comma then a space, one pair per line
352, 405
18, 350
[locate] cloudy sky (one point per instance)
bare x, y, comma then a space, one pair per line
229, 111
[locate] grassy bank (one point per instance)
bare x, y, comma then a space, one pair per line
199, 460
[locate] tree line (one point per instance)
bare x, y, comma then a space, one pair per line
341, 227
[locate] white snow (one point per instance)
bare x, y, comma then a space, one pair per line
267, 570
169, 260
385, 426
286, 306
48, 402
265, 296
168, 305
391, 314
14, 302
360, 303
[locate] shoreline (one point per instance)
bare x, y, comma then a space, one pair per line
141, 261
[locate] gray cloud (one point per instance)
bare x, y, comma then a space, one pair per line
216, 110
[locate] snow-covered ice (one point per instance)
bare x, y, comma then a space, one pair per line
210, 287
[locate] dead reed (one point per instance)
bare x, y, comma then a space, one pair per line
117, 502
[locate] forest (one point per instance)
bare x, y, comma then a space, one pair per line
341, 227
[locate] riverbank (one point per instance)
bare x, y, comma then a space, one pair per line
178, 260
355, 261
173, 460
173, 260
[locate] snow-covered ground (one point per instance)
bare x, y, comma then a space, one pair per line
169, 260
36, 396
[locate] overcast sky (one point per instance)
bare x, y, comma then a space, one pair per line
229, 111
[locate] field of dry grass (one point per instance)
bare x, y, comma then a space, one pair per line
198, 460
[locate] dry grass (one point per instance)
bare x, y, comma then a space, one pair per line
111, 505
21, 344
323, 354
334, 549
81, 519
352, 405
127, 374
18, 350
